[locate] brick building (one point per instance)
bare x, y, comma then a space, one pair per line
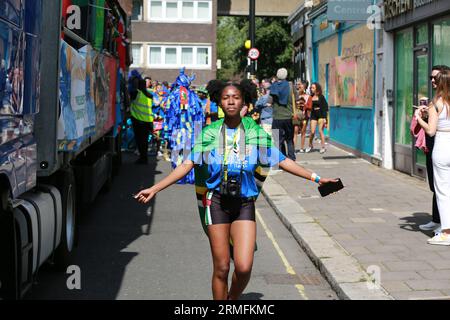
170, 34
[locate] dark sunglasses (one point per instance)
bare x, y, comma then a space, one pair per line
432, 77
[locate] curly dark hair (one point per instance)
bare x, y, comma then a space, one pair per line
246, 87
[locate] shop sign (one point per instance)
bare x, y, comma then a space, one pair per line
349, 10
394, 8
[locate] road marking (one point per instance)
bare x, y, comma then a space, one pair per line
289, 269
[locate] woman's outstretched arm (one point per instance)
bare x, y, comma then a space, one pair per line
144, 196
290, 166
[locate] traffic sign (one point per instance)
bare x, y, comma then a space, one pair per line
253, 53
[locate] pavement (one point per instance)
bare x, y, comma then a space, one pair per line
365, 240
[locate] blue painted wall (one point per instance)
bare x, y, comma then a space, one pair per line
353, 127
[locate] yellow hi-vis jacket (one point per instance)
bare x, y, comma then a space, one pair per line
141, 108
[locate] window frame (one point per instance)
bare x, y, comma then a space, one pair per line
179, 48
141, 14
142, 60
179, 18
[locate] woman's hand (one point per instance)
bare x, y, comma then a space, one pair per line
418, 114
145, 195
325, 181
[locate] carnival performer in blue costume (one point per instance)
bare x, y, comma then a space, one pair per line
184, 118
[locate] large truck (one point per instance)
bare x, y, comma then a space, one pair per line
59, 146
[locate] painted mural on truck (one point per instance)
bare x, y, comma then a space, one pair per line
72, 94
88, 81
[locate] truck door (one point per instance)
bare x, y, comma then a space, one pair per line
12, 71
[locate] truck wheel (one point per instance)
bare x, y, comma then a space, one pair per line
9, 281
64, 252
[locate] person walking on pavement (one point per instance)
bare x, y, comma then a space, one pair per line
319, 115
435, 223
231, 161
439, 126
281, 92
141, 117
306, 109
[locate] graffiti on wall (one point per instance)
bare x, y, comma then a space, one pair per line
351, 80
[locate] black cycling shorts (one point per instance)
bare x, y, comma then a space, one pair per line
226, 211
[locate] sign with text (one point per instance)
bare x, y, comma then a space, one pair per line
395, 8
253, 54
349, 10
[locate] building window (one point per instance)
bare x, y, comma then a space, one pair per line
203, 10
171, 11
137, 54
155, 56
404, 61
137, 10
441, 45
202, 56
187, 56
171, 56
188, 10
192, 57
156, 11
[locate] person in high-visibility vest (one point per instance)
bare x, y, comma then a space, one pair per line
142, 118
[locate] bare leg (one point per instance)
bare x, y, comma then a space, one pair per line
219, 239
296, 131
313, 132
303, 138
322, 135
243, 234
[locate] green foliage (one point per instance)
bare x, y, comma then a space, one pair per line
273, 40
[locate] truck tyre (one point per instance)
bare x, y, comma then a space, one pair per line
64, 252
9, 275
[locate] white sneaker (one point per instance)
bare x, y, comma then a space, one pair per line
430, 226
437, 231
308, 150
441, 239
323, 150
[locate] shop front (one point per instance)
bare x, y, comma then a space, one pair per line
422, 39
343, 62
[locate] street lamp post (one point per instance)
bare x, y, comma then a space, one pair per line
252, 31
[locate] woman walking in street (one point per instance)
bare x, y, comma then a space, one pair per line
306, 109
229, 159
439, 125
319, 115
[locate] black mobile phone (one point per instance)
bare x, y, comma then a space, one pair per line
330, 188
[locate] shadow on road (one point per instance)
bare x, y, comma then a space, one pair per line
413, 222
111, 224
251, 296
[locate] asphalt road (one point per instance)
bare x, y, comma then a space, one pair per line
118, 260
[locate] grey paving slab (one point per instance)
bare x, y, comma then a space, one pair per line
374, 221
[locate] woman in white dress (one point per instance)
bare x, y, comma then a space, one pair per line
439, 125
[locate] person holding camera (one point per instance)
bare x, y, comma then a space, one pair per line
231, 158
